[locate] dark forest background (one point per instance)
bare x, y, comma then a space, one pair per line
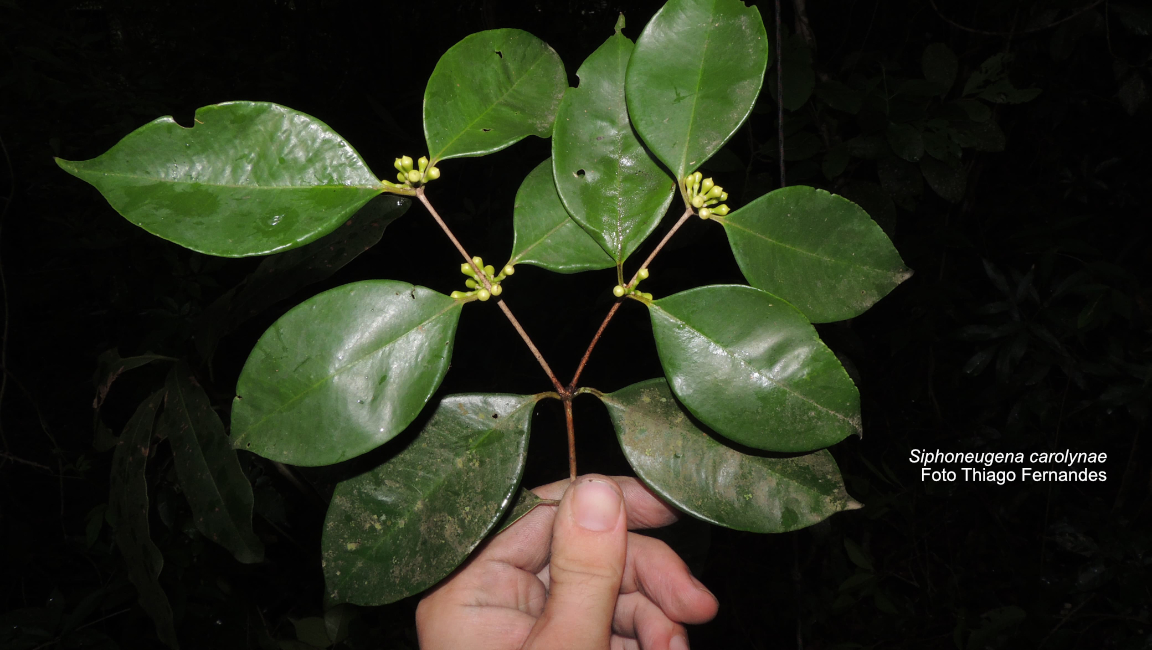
1025, 328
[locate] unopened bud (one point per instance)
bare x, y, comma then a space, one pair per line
456, 295
707, 184
471, 284
642, 273
483, 295
618, 291
406, 163
478, 261
715, 192
466, 269
398, 165
490, 271
723, 196
509, 269
402, 177
646, 296
697, 201
721, 210
422, 163
432, 174
705, 213
414, 176
497, 289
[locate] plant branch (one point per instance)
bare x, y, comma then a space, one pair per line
571, 437
616, 305
4, 288
483, 277
1012, 33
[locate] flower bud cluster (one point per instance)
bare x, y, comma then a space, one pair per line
620, 290
419, 175
478, 290
704, 194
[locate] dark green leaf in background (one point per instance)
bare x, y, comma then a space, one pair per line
128, 515
905, 141
545, 234
706, 479
279, 276
873, 200
489, 91
818, 251
206, 465
400, 528
945, 179
840, 97
110, 365
247, 178
939, 65
835, 162
605, 177
750, 366
343, 372
694, 77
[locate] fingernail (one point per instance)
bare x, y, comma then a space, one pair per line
678, 643
596, 506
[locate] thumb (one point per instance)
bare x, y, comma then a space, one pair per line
589, 546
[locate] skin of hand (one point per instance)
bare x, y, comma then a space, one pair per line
571, 576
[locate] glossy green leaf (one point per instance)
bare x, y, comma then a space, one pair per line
526, 501
906, 141
710, 481
128, 515
605, 177
545, 234
818, 251
940, 65
491, 90
343, 372
694, 77
399, 529
206, 465
750, 366
248, 178
279, 276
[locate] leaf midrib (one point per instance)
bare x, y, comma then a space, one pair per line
696, 95
730, 222
790, 390
439, 155
350, 364
155, 179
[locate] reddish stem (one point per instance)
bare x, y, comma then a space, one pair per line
571, 437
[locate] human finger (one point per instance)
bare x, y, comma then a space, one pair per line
640, 618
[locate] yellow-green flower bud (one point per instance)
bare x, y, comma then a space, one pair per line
643, 273
422, 163
398, 165
478, 261
697, 201
432, 174
406, 163
490, 271
471, 284
402, 177
723, 196
497, 289
466, 269
509, 269
705, 213
707, 184
414, 176
483, 295
715, 192
721, 210
456, 295
618, 291
646, 296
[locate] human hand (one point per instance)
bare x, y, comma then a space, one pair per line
571, 577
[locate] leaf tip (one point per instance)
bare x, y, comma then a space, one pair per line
620, 23
852, 504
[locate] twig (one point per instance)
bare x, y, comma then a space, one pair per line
616, 306
483, 277
4, 288
571, 437
983, 32
7, 456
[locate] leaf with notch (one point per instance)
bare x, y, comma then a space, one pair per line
710, 481
128, 516
818, 251
400, 528
750, 366
248, 178
206, 465
343, 372
694, 77
489, 91
545, 234
605, 177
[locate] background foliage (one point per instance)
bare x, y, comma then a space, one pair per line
1026, 326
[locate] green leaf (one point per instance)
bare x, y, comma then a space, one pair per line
857, 555
399, 529
248, 178
343, 372
526, 501
489, 91
750, 366
206, 465
605, 177
835, 162
694, 77
840, 97
337, 621
312, 631
940, 65
110, 365
875, 202
545, 234
905, 141
946, 180
128, 515
900, 178
1003, 92
704, 478
818, 251
279, 276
